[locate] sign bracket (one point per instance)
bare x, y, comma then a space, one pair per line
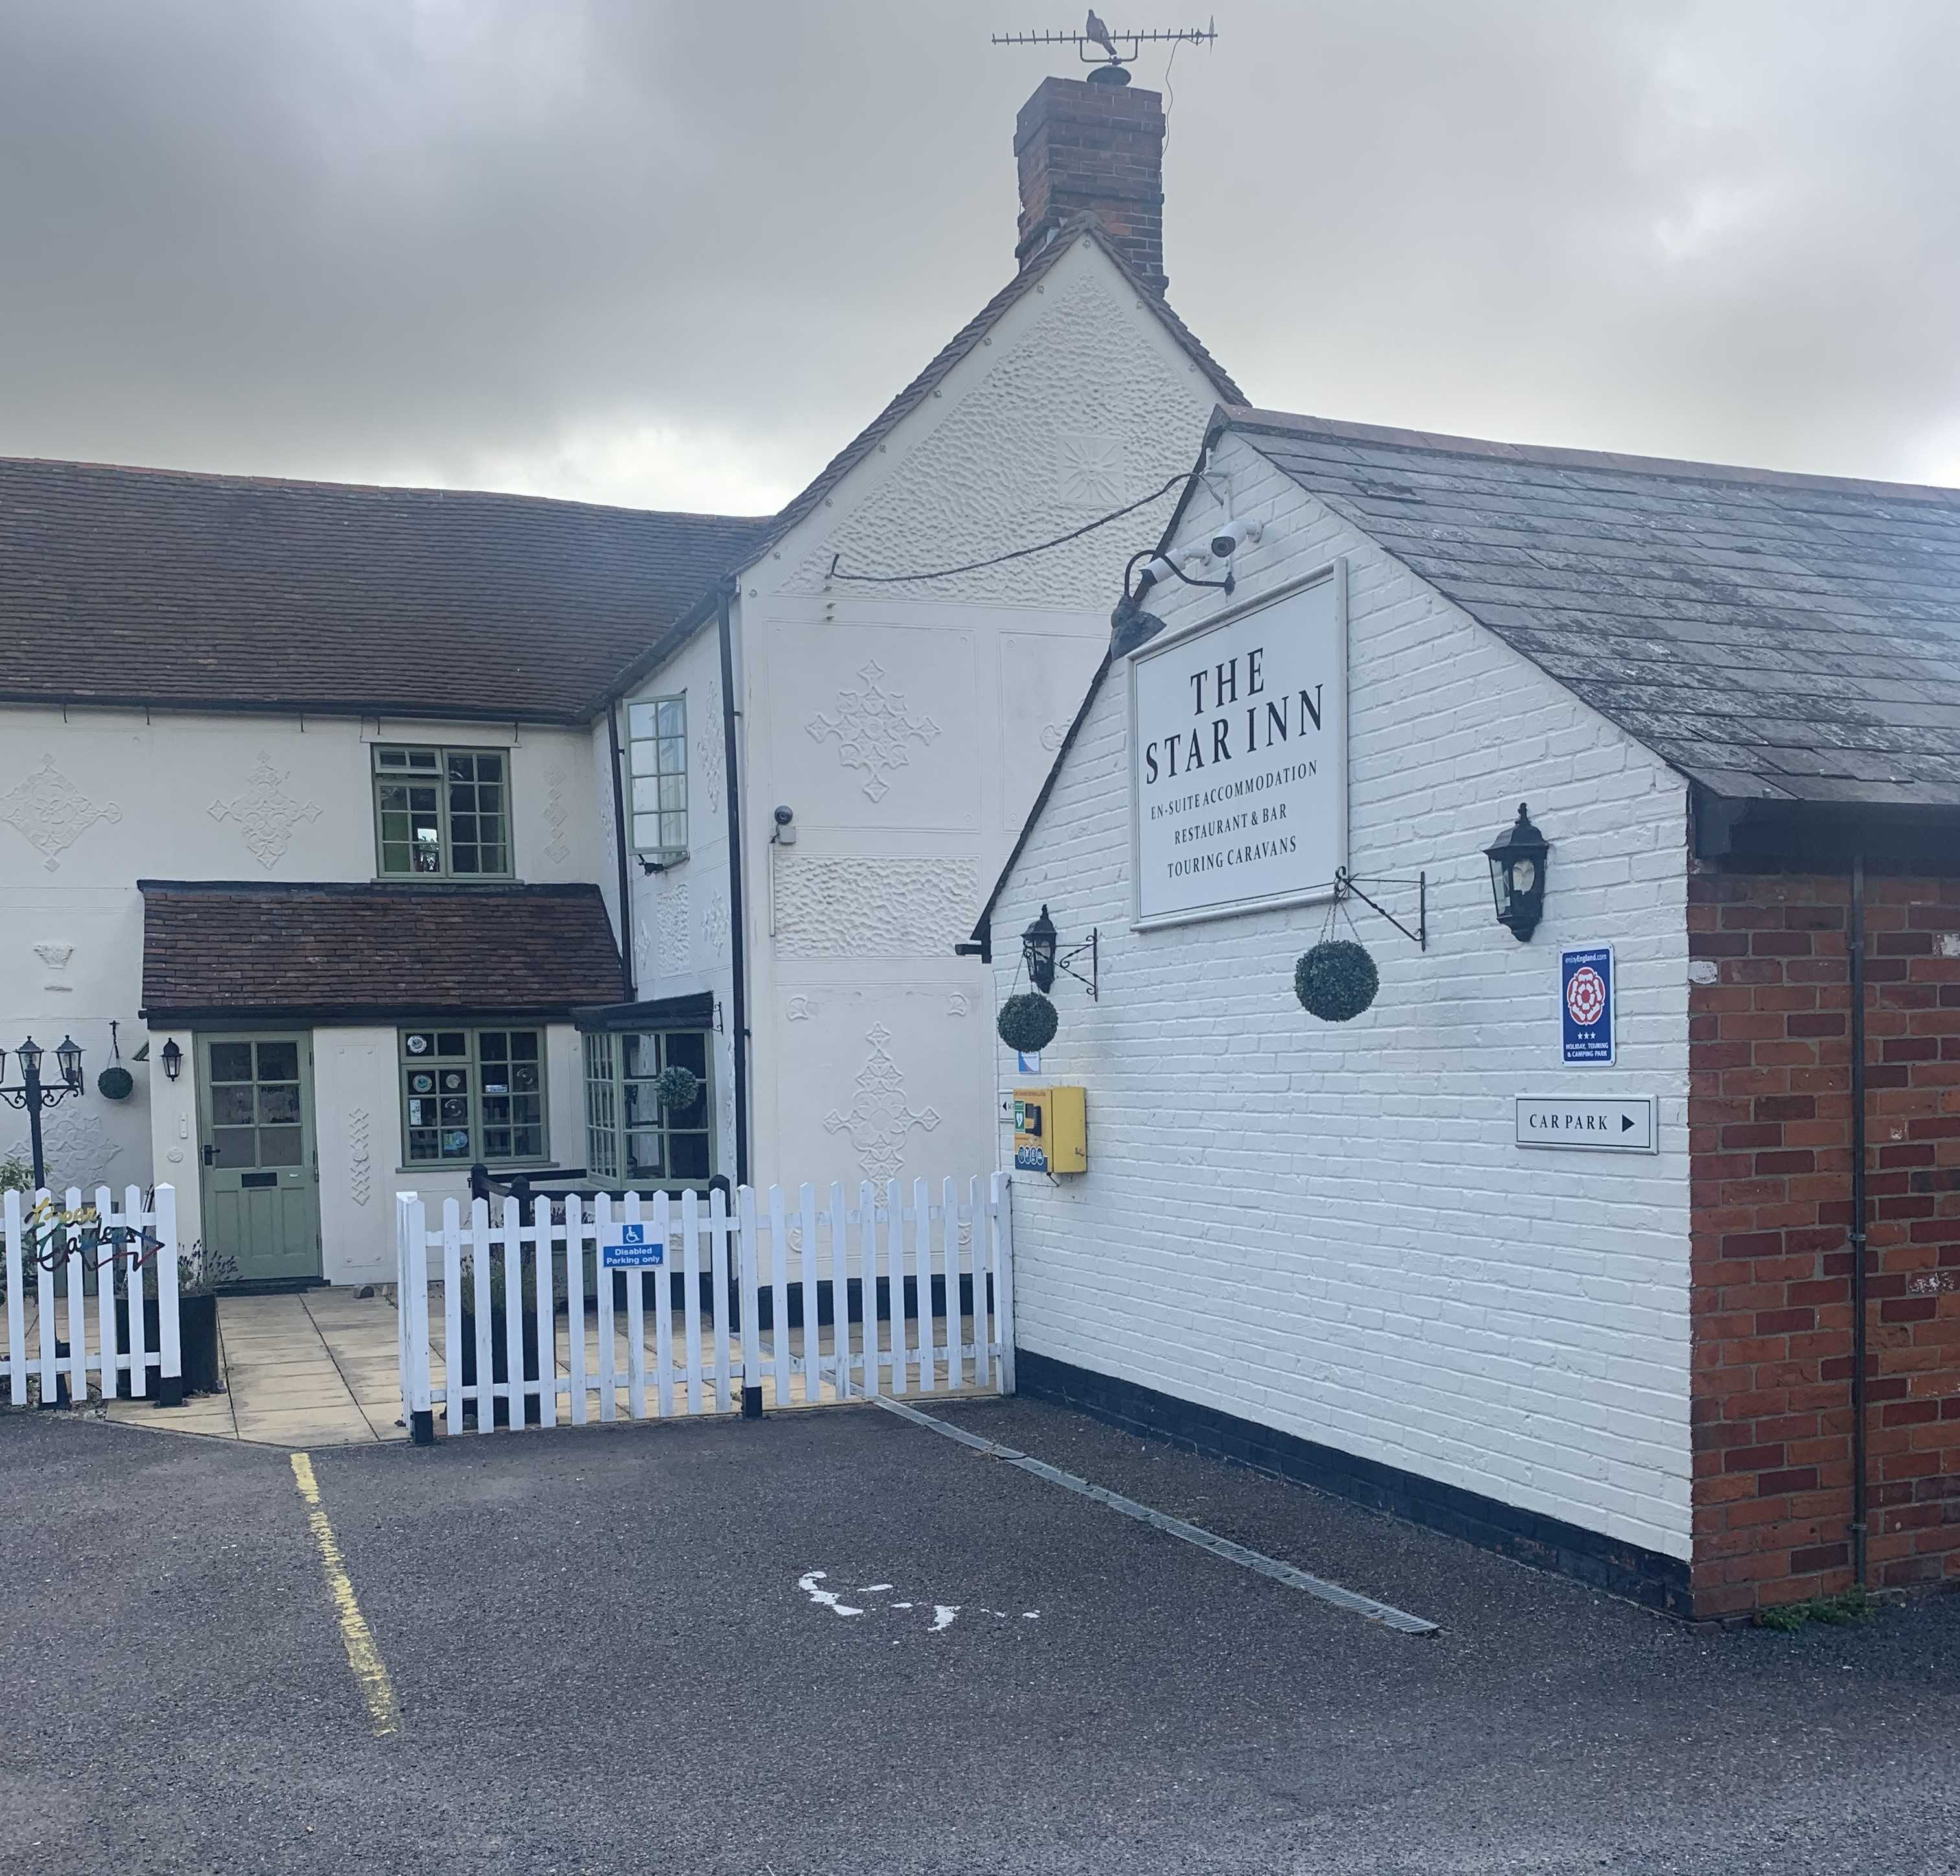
1345, 887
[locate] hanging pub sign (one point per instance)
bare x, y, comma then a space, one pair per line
1239, 757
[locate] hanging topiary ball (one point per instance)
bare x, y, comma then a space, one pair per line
1336, 981
677, 1086
115, 1083
1027, 1022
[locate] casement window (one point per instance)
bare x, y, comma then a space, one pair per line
657, 735
470, 1094
442, 813
630, 1139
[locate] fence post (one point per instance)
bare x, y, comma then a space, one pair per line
170, 1340
1003, 1208
751, 1346
421, 1404
13, 1271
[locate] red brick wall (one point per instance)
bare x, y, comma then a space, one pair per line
1770, 1134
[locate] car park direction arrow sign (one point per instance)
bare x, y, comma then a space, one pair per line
1618, 1126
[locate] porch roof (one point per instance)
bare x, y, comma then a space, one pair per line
219, 950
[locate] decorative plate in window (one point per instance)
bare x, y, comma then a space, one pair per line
421, 1084
417, 1045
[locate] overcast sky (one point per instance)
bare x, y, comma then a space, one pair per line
675, 255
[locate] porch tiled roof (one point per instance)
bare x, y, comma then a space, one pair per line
153, 587
218, 950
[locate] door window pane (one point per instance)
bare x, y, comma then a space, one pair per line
279, 1103
231, 1106
279, 1061
231, 1061
234, 1146
282, 1146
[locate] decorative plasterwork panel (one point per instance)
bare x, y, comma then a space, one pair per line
557, 848
360, 1164
708, 752
267, 815
879, 1118
874, 731
673, 936
52, 812
714, 930
77, 1148
1088, 469
1052, 736
859, 907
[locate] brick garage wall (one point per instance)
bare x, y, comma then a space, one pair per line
1770, 1127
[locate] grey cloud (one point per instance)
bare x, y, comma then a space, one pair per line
678, 253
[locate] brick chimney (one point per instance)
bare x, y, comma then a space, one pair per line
1098, 147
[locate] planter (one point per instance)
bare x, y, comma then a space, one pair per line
197, 1342
500, 1368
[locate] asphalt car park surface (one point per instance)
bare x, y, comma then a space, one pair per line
610, 1652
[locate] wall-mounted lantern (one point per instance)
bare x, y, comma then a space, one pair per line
1041, 953
172, 1057
1517, 876
1038, 951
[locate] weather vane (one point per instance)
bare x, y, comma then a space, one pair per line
1111, 66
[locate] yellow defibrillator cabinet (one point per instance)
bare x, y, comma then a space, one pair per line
1051, 1130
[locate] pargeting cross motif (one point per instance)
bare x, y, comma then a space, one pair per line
265, 814
879, 1119
52, 812
873, 730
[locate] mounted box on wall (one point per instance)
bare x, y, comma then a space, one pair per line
1051, 1130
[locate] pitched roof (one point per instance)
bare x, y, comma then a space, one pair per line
1774, 637
965, 341
140, 586
1040, 265
349, 952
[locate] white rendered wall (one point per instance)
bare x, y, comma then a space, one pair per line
1327, 1229
91, 800
873, 1042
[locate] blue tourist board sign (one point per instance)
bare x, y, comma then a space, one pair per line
1585, 1003
631, 1247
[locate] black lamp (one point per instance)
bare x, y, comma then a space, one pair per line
172, 1057
68, 1055
1038, 950
29, 1056
1517, 876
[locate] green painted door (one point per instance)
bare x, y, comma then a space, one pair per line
261, 1185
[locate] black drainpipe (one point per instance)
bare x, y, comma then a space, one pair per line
619, 842
1860, 1491
738, 1000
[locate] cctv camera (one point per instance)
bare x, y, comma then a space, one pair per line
784, 816
1233, 534
1153, 572
786, 833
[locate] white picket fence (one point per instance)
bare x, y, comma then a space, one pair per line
92, 1240
799, 1257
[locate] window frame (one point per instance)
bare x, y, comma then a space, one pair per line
610, 1164
661, 853
472, 1061
446, 841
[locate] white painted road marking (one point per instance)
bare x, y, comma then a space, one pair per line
1366, 1607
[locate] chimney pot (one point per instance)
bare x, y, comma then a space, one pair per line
1081, 146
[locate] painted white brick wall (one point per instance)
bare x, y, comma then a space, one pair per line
1327, 1229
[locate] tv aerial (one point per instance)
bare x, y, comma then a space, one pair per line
1112, 61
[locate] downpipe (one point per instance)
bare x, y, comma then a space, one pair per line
1861, 1455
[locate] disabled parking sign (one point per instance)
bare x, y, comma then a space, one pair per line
630, 1246
1585, 999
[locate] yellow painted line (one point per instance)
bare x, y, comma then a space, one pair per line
363, 1657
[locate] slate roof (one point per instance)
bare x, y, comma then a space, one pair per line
1774, 637
353, 952
140, 586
